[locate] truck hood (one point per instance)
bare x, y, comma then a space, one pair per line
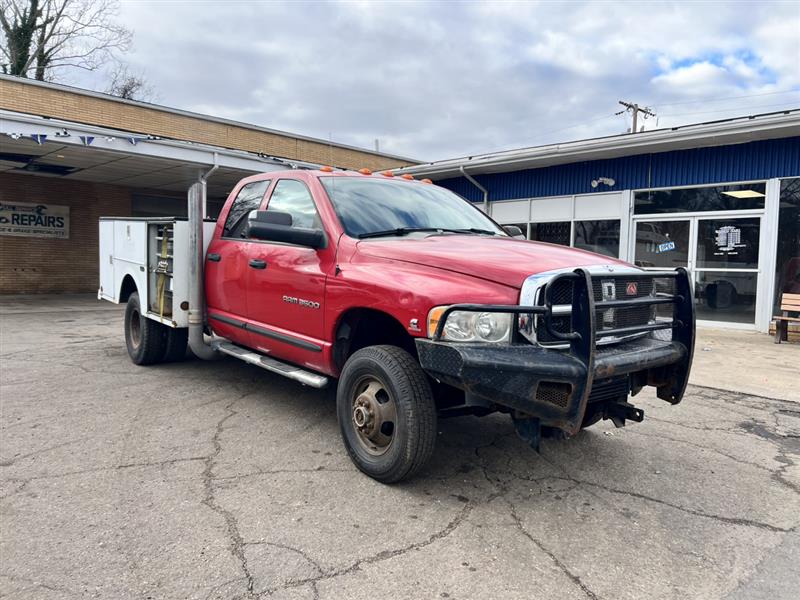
498, 259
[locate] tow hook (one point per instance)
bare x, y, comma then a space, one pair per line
528, 429
619, 412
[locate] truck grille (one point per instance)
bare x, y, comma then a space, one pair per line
609, 318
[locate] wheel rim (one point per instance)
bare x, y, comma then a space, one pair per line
373, 415
136, 328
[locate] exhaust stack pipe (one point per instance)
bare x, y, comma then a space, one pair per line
197, 302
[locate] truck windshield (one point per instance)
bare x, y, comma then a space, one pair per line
374, 207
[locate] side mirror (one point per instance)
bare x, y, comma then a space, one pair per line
275, 217
514, 231
276, 226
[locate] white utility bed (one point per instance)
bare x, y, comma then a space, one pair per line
151, 253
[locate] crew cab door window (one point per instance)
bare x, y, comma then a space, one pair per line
294, 197
249, 198
226, 267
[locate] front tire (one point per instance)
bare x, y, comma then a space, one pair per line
144, 337
386, 413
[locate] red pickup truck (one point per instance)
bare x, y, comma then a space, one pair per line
420, 305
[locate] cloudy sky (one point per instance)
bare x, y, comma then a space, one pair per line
443, 79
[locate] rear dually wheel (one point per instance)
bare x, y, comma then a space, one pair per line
144, 337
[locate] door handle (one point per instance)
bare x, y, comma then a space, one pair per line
214, 257
258, 264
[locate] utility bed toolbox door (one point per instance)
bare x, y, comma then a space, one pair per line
108, 285
123, 252
130, 241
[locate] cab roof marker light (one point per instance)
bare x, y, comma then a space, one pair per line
408, 176
365, 171
387, 174
326, 169
426, 181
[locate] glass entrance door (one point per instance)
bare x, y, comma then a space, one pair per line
726, 268
721, 252
663, 244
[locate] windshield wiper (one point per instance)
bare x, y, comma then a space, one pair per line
473, 230
406, 230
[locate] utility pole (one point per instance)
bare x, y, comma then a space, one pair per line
636, 109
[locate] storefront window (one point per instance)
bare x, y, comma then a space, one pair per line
723, 197
554, 233
598, 236
662, 244
727, 243
725, 296
787, 276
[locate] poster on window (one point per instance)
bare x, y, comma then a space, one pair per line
728, 241
34, 220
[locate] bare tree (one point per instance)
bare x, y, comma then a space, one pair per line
130, 85
41, 37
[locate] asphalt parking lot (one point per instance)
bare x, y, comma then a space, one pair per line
219, 480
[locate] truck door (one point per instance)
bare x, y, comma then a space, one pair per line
226, 268
286, 283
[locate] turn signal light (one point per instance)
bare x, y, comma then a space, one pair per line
434, 316
326, 169
427, 181
408, 176
365, 171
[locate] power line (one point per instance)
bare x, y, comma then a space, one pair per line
722, 98
581, 124
735, 108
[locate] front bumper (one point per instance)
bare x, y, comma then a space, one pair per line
556, 386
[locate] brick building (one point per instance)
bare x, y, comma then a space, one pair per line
68, 156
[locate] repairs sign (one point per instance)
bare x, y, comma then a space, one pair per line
34, 220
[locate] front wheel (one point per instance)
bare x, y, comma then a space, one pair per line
386, 413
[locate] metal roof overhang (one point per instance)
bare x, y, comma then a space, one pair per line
63, 150
720, 133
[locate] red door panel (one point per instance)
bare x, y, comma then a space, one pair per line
226, 291
286, 300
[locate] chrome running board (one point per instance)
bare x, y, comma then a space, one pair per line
270, 364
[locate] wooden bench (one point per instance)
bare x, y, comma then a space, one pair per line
790, 303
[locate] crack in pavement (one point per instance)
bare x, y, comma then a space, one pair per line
10, 461
786, 445
302, 553
695, 445
160, 463
209, 499
691, 511
730, 520
502, 491
319, 469
739, 397
40, 584
564, 569
379, 557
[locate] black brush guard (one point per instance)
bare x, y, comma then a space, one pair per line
510, 375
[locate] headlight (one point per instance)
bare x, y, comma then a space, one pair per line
469, 326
